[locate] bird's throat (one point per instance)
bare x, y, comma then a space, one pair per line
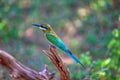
44, 31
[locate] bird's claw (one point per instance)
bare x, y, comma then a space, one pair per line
52, 46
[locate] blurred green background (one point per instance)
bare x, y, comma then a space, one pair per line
90, 28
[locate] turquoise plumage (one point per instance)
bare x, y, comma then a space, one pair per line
52, 37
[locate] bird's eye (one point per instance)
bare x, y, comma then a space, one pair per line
44, 27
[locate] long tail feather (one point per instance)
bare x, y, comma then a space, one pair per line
74, 58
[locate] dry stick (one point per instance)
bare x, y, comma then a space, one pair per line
57, 61
21, 72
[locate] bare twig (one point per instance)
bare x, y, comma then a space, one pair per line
57, 61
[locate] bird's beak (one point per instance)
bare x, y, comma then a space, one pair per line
40, 26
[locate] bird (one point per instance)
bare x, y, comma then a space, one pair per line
55, 40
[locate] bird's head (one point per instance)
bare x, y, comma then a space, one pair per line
44, 27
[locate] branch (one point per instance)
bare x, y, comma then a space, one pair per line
21, 72
57, 61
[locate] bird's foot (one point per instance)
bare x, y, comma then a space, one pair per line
52, 46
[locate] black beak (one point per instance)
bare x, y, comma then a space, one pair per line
38, 25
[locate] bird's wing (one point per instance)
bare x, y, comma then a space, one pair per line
54, 39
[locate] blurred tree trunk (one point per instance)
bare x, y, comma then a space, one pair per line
116, 4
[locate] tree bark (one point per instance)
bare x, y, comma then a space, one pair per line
20, 72
57, 61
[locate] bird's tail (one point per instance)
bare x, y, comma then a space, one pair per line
74, 58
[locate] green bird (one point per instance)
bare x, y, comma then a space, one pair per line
54, 39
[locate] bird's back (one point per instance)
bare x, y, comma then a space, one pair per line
54, 39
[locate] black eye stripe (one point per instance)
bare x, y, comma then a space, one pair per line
43, 27
39, 25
